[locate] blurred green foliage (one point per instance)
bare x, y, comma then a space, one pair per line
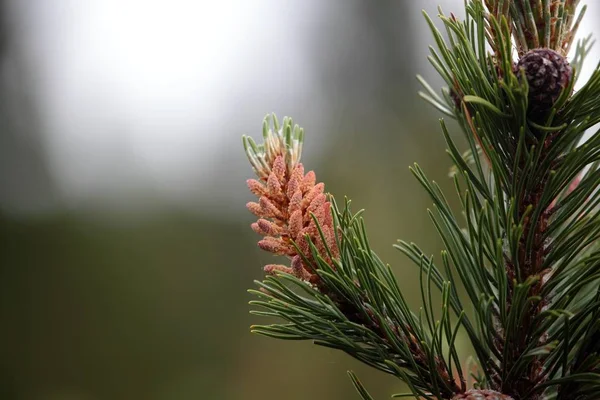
146, 310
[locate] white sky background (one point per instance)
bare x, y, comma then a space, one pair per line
138, 96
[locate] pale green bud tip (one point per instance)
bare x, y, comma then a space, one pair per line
285, 140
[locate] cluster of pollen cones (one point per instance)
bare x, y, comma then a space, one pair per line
290, 203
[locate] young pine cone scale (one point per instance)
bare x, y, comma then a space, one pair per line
481, 394
547, 73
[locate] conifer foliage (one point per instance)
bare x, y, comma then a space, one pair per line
520, 272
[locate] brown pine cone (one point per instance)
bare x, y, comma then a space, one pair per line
481, 394
547, 73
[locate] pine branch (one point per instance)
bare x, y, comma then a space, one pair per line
345, 297
533, 170
525, 247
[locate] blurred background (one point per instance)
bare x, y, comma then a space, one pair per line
125, 247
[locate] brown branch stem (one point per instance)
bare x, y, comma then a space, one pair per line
530, 262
